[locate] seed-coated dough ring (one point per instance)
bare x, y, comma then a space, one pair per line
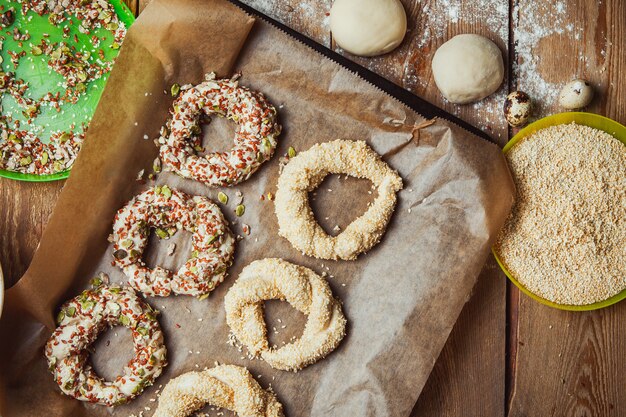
255, 139
80, 322
306, 171
169, 210
226, 386
306, 291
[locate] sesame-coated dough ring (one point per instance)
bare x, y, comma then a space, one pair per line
168, 210
255, 139
226, 386
306, 291
306, 171
80, 322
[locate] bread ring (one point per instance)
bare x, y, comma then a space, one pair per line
169, 210
255, 140
80, 321
302, 288
306, 171
225, 386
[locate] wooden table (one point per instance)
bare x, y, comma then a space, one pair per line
507, 354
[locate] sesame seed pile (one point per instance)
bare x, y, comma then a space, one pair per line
565, 239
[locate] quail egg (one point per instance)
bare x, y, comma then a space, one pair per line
576, 94
517, 108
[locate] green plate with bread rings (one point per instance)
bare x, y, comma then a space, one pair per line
595, 121
33, 69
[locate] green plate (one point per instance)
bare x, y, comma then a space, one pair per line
34, 70
592, 120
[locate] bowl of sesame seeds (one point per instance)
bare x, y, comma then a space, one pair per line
563, 243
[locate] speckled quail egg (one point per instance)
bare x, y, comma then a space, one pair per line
576, 94
517, 108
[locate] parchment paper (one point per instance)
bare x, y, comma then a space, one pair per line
401, 299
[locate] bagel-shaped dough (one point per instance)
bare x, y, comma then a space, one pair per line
226, 386
306, 171
255, 139
271, 279
80, 321
168, 210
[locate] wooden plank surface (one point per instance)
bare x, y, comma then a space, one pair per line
558, 363
25, 210
133, 5
562, 363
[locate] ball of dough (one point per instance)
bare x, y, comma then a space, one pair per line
468, 68
368, 27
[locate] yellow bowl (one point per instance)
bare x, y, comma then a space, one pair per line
615, 129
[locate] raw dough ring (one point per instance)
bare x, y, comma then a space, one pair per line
306, 171
169, 210
80, 322
226, 386
255, 140
306, 291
